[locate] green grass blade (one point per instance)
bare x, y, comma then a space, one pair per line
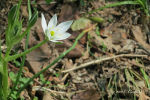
114, 5
24, 57
29, 9
146, 77
1, 92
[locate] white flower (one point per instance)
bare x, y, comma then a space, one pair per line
53, 32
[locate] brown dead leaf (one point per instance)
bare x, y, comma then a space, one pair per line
47, 96
108, 72
143, 96
68, 64
97, 4
24, 94
24, 11
27, 73
129, 46
68, 11
140, 84
139, 36
38, 29
75, 53
90, 94
118, 36
113, 37
39, 56
86, 55
99, 41
13, 68
44, 6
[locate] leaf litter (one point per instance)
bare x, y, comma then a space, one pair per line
121, 38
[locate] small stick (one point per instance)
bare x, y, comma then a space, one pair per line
101, 60
35, 88
25, 3
46, 89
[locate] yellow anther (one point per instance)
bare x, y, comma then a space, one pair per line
52, 33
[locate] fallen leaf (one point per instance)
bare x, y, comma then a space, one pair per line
75, 53
67, 12
38, 29
81, 23
140, 84
24, 11
117, 36
99, 42
47, 96
90, 94
129, 46
25, 94
39, 56
143, 96
44, 5
139, 37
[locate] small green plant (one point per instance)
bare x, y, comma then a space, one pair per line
104, 47
115, 87
14, 35
57, 74
22, 81
35, 98
97, 31
82, 2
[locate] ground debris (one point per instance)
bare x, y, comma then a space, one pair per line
109, 62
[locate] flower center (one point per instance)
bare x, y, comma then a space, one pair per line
52, 33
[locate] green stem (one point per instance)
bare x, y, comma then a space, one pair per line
5, 80
113, 5
0, 50
21, 67
146, 77
5, 75
1, 73
1, 92
24, 57
54, 62
10, 58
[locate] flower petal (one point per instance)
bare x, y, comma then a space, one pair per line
64, 26
44, 24
62, 36
49, 36
53, 22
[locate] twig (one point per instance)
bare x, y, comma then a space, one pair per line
25, 3
47, 89
53, 91
141, 47
101, 60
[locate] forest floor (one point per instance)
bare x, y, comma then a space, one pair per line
111, 61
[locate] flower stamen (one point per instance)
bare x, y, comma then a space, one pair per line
52, 33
